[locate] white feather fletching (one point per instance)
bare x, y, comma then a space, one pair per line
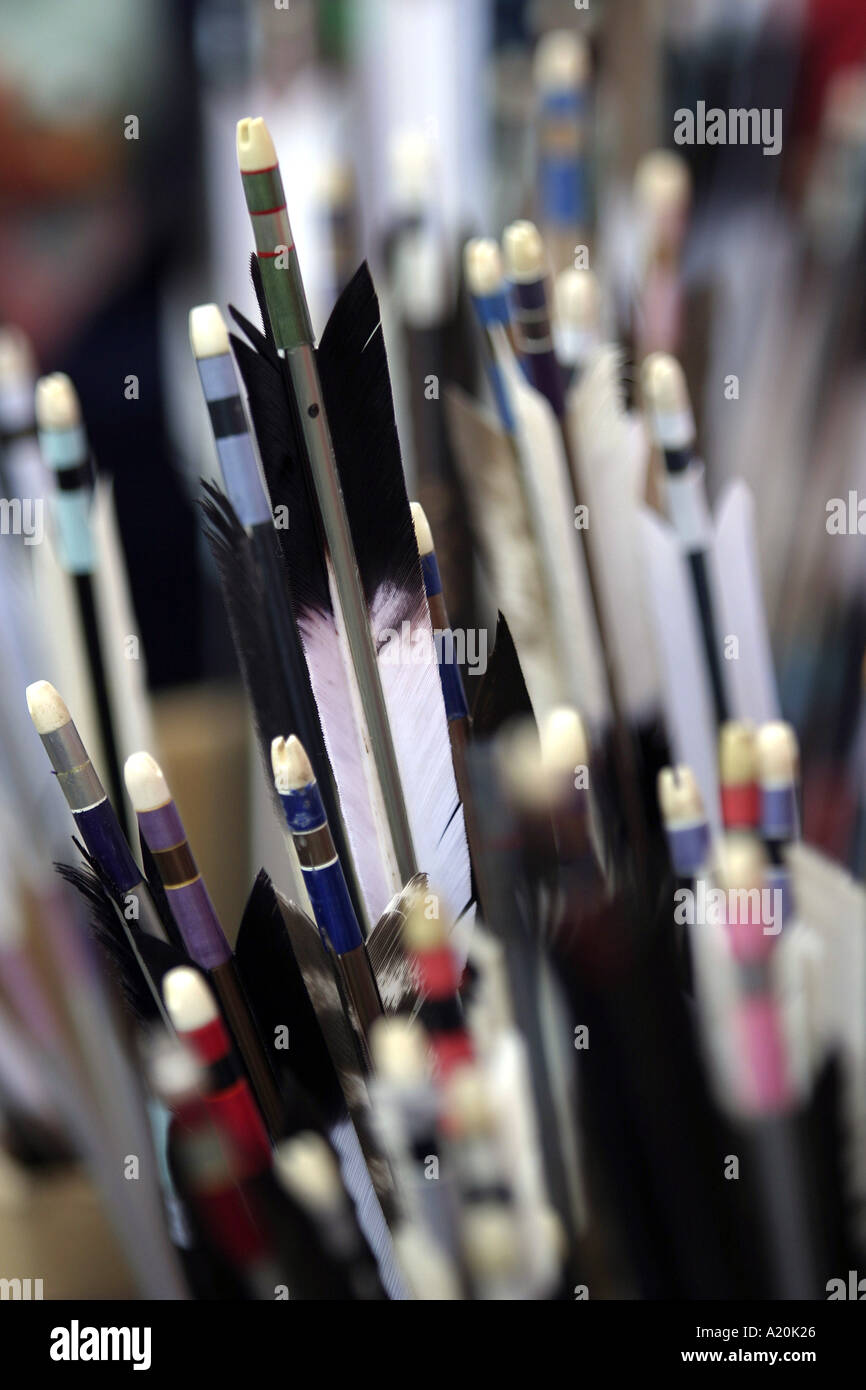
751, 679
409, 673
125, 663
830, 902
551, 506
612, 458
686, 696
489, 471
67, 666
65, 647
332, 676
22, 760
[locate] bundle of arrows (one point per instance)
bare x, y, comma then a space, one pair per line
561, 1006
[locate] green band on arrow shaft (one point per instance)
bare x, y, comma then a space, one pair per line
287, 309
278, 260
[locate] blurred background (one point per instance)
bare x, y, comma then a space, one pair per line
403, 128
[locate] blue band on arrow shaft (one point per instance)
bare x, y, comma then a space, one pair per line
779, 812
304, 809
326, 884
101, 833
492, 308
64, 448
449, 670
500, 397
533, 334
452, 691
562, 175
493, 311
332, 907
432, 577
689, 847
562, 186
75, 545
778, 879
66, 453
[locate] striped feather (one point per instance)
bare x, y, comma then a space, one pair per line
323, 988
394, 975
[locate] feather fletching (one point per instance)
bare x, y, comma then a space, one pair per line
328, 662
353, 366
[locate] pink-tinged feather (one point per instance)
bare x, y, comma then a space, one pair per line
763, 1057
339, 711
410, 682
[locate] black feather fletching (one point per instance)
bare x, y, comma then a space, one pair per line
276, 429
322, 983
333, 1012
284, 463
252, 570
263, 976
356, 387
502, 694
357, 397
244, 600
152, 880
275, 987
647, 1105
356, 384
158, 956
305, 577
